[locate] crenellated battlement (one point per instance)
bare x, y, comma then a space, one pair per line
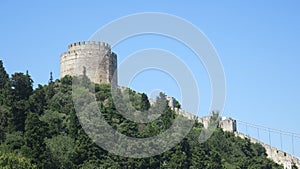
89, 45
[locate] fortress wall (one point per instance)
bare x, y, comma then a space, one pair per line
253, 140
101, 64
273, 153
229, 124
171, 102
205, 121
96, 57
296, 161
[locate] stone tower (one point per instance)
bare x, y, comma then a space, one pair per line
99, 62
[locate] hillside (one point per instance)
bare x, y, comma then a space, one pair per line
39, 129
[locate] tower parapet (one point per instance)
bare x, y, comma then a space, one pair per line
89, 44
96, 57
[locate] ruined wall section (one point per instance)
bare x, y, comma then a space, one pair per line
230, 125
97, 58
227, 124
280, 157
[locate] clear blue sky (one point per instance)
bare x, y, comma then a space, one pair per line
257, 41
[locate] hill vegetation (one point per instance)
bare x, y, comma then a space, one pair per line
39, 129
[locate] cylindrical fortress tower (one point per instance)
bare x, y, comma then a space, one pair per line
97, 58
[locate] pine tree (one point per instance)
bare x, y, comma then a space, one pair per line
22, 86
35, 133
51, 78
145, 105
4, 86
38, 100
4, 121
4, 78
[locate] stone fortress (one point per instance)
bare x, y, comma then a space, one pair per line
95, 58
99, 63
230, 125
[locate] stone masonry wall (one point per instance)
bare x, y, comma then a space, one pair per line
96, 57
229, 124
273, 153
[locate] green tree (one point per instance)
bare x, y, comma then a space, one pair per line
74, 125
18, 115
14, 140
4, 121
38, 100
62, 151
10, 160
35, 132
5, 90
145, 105
4, 78
85, 149
56, 122
21, 90
22, 86
40, 129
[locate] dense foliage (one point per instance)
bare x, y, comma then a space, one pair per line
39, 129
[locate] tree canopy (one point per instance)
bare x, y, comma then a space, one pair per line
39, 128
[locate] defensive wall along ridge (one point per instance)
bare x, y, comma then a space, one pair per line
230, 125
